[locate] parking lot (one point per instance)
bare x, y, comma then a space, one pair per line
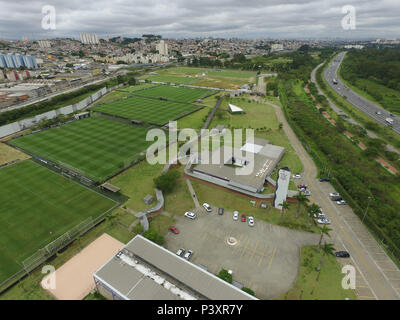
265, 259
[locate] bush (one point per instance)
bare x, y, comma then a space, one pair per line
167, 181
153, 235
225, 275
249, 291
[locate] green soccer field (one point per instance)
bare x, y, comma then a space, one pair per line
38, 206
181, 94
153, 111
95, 147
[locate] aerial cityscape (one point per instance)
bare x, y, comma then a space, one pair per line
198, 150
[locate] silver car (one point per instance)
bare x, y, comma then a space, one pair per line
188, 254
180, 252
250, 221
235, 215
324, 221
190, 215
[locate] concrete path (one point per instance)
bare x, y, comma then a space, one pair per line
376, 275
193, 193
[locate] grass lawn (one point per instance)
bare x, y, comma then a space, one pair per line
94, 146
329, 286
195, 120
232, 201
145, 109
171, 79
181, 94
8, 154
37, 206
137, 87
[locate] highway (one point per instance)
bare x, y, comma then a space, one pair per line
374, 111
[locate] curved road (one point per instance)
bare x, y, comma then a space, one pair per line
377, 277
369, 108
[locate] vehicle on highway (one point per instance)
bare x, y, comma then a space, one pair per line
378, 112
334, 194
334, 81
341, 202
180, 252
250, 221
207, 207
235, 215
220, 211
324, 179
243, 218
342, 254
190, 215
324, 221
296, 176
188, 254
174, 229
389, 120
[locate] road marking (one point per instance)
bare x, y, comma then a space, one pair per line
263, 255
366, 297
254, 250
271, 259
245, 247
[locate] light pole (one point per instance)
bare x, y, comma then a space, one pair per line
366, 210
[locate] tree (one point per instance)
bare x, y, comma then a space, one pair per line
285, 207
302, 199
225, 275
167, 181
327, 249
324, 231
153, 235
313, 209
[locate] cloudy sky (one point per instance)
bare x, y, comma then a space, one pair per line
201, 18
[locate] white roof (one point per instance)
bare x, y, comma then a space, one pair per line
234, 108
251, 147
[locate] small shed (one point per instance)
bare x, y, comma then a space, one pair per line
109, 187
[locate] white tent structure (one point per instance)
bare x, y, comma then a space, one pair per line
234, 109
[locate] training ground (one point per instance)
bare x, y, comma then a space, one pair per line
38, 206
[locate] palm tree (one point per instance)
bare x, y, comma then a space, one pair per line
327, 249
302, 199
313, 209
285, 207
324, 231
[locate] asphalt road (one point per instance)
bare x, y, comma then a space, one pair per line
377, 277
369, 108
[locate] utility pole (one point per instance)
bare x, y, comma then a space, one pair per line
366, 210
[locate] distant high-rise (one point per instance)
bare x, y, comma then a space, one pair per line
89, 38
44, 43
162, 48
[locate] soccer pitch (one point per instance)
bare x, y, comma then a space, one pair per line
94, 147
38, 206
182, 94
153, 111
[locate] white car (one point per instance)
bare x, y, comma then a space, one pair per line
334, 194
324, 221
319, 215
190, 215
297, 176
207, 207
235, 215
341, 202
188, 254
180, 252
250, 221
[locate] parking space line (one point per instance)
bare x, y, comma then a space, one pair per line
271, 259
245, 247
263, 255
254, 250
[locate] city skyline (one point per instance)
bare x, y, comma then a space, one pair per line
289, 19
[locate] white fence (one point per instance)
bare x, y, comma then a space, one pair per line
17, 126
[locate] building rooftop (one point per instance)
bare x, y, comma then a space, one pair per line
143, 270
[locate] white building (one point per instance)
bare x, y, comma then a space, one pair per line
89, 38
44, 43
162, 48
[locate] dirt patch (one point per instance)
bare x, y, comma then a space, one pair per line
74, 279
8, 154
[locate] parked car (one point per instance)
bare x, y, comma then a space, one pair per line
174, 229
190, 215
324, 179
324, 221
243, 218
342, 254
296, 176
338, 198
306, 192
180, 252
235, 215
341, 202
250, 221
302, 186
207, 207
319, 215
188, 254
334, 194
220, 211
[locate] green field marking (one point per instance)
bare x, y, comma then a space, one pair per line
37, 206
94, 147
181, 94
146, 109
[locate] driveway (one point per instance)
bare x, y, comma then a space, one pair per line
265, 259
